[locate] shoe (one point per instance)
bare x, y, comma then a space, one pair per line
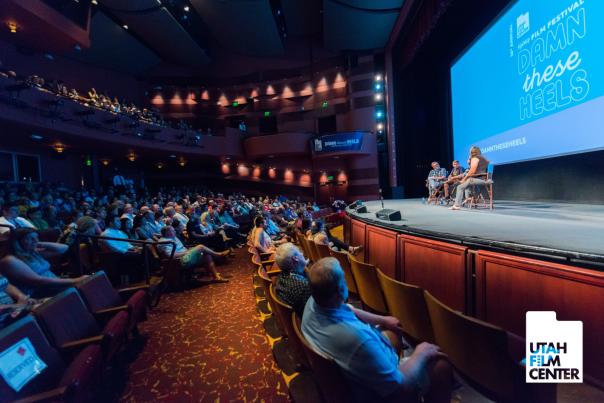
224, 253
454, 207
355, 249
220, 279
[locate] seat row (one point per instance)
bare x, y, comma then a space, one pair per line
486, 356
60, 350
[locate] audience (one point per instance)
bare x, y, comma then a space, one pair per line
367, 358
10, 217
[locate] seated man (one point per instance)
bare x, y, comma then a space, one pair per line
322, 236
367, 358
436, 178
292, 284
190, 258
261, 240
10, 217
455, 177
113, 230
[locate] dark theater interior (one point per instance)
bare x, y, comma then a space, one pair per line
309, 201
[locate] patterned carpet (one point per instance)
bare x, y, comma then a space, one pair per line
206, 344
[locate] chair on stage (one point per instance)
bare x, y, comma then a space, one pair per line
435, 195
477, 198
481, 354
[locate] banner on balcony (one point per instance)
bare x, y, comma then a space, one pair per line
349, 141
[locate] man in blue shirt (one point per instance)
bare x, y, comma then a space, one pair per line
367, 358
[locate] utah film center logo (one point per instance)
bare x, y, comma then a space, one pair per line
522, 25
554, 349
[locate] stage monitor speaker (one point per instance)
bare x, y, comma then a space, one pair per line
388, 214
362, 209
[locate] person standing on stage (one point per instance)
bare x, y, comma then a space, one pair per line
475, 176
456, 175
436, 178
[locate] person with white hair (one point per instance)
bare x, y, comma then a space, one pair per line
367, 357
292, 285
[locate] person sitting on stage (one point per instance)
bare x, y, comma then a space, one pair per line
455, 176
475, 176
367, 357
436, 178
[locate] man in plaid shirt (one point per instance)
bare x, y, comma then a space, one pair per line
436, 177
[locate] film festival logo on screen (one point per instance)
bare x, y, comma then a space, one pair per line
551, 79
554, 349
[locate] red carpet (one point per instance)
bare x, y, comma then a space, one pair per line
207, 344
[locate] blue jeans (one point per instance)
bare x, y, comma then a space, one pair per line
464, 190
434, 184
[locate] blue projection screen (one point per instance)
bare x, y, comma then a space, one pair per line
532, 85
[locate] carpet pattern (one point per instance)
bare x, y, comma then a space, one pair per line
207, 344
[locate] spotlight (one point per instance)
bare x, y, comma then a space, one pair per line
94, 2
125, 26
160, 165
59, 148
12, 27
131, 157
378, 97
378, 87
105, 161
187, 9
379, 114
36, 137
378, 77
380, 126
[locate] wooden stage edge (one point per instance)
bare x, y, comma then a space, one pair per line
497, 287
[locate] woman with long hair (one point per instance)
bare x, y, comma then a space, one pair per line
476, 176
27, 268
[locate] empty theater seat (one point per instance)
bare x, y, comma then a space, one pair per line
57, 380
102, 299
69, 325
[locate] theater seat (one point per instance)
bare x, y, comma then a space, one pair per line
322, 250
345, 263
70, 326
76, 382
406, 302
102, 299
284, 312
480, 352
370, 291
332, 384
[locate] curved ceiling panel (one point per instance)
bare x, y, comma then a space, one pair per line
166, 36
302, 17
246, 27
114, 48
358, 24
131, 5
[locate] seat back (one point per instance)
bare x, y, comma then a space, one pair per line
345, 263
28, 328
406, 302
285, 311
98, 293
314, 252
322, 250
65, 318
332, 384
368, 285
478, 350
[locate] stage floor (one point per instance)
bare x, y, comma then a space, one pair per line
574, 230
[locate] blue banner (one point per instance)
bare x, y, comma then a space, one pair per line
350, 141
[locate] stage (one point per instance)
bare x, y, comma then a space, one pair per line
560, 231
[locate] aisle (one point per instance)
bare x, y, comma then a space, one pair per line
207, 344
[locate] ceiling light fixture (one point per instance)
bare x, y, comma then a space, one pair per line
59, 147
187, 9
12, 27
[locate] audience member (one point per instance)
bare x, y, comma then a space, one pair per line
10, 217
292, 285
367, 358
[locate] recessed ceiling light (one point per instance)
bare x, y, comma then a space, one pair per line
125, 26
36, 137
187, 9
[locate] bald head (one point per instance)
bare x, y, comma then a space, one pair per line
327, 283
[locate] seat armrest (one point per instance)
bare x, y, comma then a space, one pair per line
77, 344
267, 263
273, 272
103, 315
49, 395
265, 255
127, 292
